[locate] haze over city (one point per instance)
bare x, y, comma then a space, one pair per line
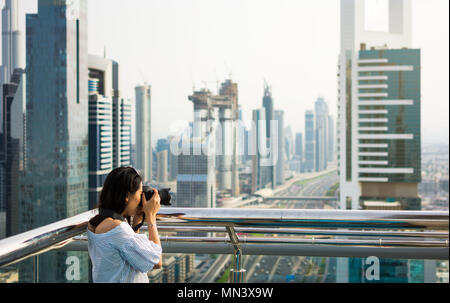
177, 45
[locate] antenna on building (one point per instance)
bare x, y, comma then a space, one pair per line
104, 51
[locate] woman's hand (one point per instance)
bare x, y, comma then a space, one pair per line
138, 216
152, 206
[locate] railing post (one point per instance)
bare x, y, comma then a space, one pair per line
237, 273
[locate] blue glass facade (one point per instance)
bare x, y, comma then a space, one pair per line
56, 180
402, 84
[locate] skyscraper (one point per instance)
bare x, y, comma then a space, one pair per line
279, 176
12, 152
56, 180
196, 181
309, 164
143, 131
268, 106
12, 63
299, 146
100, 125
12, 49
321, 132
379, 119
161, 161
331, 138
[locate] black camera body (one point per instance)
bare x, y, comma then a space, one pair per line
164, 195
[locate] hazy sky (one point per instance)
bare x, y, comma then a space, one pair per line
176, 45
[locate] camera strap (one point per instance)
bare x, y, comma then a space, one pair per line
110, 214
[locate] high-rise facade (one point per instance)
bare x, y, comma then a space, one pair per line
196, 181
331, 139
257, 138
11, 72
309, 158
100, 125
12, 152
143, 131
122, 121
280, 152
161, 161
379, 137
268, 105
299, 146
12, 49
321, 133
55, 185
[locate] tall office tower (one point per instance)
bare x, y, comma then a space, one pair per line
12, 49
241, 129
196, 180
280, 157
100, 125
309, 142
11, 152
262, 166
143, 131
161, 161
268, 106
321, 115
289, 143
12, 59
299, 146
331, 140
122, 119
173, 161
55, 185
379, 120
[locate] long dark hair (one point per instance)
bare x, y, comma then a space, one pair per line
119, 182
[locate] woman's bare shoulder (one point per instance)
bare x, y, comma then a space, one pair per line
105, 226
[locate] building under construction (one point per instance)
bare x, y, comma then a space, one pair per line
224, 109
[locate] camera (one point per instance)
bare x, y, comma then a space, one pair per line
164, 195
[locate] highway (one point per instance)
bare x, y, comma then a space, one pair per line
279, 269
276, 269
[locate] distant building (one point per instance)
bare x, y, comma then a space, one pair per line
143, 131
299, 146
268, 105
331, 139
280, 153
161, 175
196, 186
309, 164
321, 133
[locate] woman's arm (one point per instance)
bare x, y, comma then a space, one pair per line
154, 236
151, 209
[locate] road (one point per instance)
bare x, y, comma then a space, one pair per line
276, 269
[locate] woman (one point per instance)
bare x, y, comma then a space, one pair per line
117, 251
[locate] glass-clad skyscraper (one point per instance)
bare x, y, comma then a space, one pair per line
379, 123
56, 179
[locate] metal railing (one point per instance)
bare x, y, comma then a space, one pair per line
331, 233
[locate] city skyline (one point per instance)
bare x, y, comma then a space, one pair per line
252, 50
